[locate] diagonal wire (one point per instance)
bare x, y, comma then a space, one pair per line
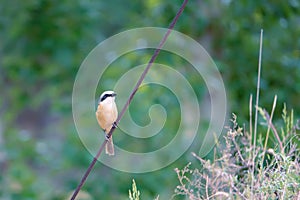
154, 56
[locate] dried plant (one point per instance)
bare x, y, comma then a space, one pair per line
229, 175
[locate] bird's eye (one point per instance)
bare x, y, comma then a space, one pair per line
104, 97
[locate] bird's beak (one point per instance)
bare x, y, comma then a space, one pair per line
114, 94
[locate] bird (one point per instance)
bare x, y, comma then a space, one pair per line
107, 115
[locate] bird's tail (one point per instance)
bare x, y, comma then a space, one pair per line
109, 149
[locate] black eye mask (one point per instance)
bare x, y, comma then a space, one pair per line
107, 95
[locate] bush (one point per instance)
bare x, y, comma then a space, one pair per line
241, 170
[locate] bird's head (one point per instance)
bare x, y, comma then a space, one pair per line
107, 97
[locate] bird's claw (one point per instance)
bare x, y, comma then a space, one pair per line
115, 125
107, 137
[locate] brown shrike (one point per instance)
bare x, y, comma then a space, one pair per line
107, 114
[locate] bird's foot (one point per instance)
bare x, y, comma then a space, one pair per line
115, 125
107, 137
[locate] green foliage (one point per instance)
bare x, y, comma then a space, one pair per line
134, 194
238, 51
283, 180
288, 120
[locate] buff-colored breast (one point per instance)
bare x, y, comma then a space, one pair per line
106, 115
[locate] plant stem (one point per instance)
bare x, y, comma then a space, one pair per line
256, 109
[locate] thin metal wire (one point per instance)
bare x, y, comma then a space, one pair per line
154, 56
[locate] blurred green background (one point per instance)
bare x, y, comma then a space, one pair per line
43, 42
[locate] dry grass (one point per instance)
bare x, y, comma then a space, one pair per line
229, 176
